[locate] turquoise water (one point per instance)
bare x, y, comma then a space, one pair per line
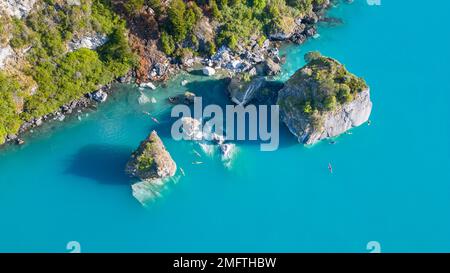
390, 184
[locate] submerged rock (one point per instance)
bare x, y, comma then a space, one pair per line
147, 85
100, 96
186, 98
208, 71
192, 129
323, 100
143, 99
151, 161
146, 191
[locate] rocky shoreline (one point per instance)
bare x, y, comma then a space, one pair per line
254, 61
75, 107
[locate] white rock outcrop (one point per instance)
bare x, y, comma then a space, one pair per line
208, 71
5, 54
336, 122
17, 8
91, 41
147, 85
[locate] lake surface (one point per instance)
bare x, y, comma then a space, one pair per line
391, 180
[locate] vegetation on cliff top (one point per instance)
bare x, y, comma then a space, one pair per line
324, 83
145, 160
59, 75
55, 76
236, 21
151, 160
9, 121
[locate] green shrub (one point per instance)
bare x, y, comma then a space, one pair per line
145, 161
307, 108
167, 43
330, 102
103, 18
177, 26
344, 94
133, 6
9, 120
210, 48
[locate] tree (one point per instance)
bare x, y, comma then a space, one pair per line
232, 41
259, 5
222, 3
133, 6
210, 48
9, 121
344, 94
167, 43
116, 53
156, 5
214, 9
176, 17
330, 103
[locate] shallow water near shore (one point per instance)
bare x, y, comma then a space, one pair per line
390, 180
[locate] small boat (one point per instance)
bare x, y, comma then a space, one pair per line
349, 133
330, 168
153, 118
197, 162
333, 142
368, 122
197, 153
182, 171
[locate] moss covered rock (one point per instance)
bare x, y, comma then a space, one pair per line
323, 100
151, 161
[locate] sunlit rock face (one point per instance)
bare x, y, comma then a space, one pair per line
16, 8
323, 100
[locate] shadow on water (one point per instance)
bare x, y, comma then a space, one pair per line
197, 72
213, 91
102, 163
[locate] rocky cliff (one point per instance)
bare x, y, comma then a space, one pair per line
323, 100
151, 161
16, 8
156, 38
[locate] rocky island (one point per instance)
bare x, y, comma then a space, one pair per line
152, 164
151, 161
323, 100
